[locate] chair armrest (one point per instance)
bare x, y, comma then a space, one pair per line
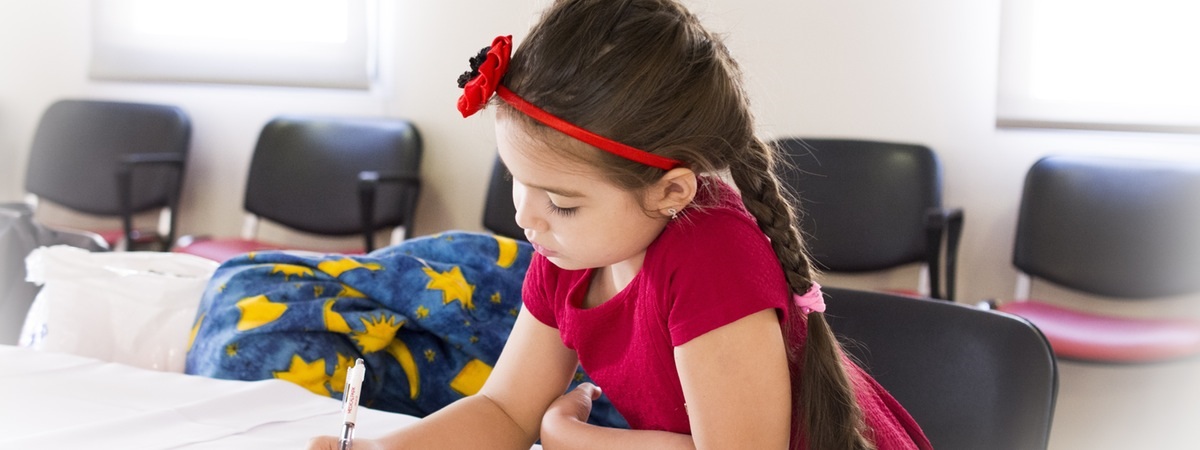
942, 224
368, 185
125, 170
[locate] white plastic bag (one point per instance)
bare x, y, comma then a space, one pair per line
134, 308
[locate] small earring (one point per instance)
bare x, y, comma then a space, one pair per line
673, 212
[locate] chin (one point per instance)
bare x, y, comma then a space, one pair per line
566, 264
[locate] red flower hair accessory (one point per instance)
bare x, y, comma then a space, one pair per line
483, 81
479, 84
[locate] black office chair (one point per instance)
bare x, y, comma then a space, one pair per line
870, 206
972, 378
499, 213
19, 236
1116, 229
112, 159
332, 176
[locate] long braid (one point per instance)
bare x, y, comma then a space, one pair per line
825, 411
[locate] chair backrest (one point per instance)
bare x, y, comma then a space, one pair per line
79, 145
972, 378
499, 213
305, 170
873, 205
1116, 227
863, 203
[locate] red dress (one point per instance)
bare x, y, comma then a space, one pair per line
709, 268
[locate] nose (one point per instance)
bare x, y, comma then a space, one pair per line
526, 216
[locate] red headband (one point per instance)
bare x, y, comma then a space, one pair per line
484, 80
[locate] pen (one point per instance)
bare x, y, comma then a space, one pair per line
350, 394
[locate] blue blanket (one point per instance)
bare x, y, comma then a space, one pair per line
428, 316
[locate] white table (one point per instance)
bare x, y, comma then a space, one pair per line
56, 400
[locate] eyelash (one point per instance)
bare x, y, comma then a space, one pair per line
564, 212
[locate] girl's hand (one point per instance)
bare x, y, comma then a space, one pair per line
331, 443
574, 406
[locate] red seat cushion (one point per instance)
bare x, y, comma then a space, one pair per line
221, 250
1093, 337
111, 236
115, 236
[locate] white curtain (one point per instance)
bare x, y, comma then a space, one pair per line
317, 43
1100, 64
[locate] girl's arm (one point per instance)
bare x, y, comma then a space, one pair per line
737, 384
738, 390
533, 370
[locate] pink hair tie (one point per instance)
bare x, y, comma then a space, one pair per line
811, 301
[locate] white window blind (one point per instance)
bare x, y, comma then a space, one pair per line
1100, 64
317, 43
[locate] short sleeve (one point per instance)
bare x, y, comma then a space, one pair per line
535, 293
725, 270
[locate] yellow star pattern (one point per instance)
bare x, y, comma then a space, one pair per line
470, 379
508, 251
377, 333
399, 350
288, 270
496, 298
453, 286
258, 311
337, 382
333, 321
310, 376
195, 329
348, 291
422, 312
338, 267
430, 355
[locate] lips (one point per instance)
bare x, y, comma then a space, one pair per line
543, 250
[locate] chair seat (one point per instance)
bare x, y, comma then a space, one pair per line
1093, 337
113, 237
911, 293
221, 250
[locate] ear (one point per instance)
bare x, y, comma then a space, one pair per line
675, 190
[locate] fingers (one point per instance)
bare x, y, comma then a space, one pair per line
590, 390
323, 443
567, 411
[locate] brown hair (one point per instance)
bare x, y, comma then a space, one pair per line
646, 73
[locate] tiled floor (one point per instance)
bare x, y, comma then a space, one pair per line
1127, 407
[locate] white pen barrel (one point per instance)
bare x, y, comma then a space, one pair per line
350, 398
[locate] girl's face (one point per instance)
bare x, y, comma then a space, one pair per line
569, 211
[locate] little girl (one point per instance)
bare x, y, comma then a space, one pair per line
689, 301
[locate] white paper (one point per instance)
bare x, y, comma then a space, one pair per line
62, 401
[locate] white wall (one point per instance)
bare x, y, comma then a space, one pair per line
920, 71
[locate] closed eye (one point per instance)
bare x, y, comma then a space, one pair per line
564, 212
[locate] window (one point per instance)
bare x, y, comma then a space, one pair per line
1100, 64
318, 43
